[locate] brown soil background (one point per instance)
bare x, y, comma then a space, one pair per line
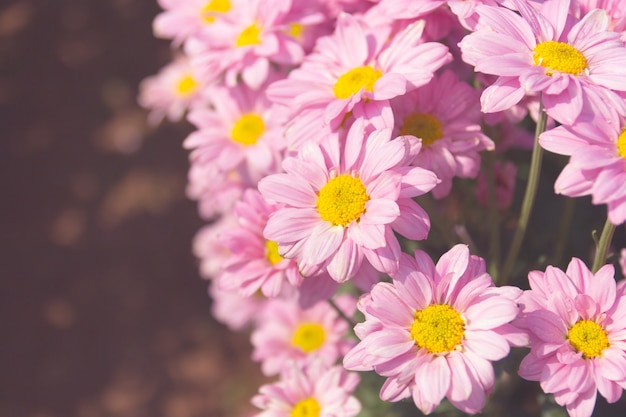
102, 312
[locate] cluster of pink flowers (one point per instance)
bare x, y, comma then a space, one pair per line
323, 127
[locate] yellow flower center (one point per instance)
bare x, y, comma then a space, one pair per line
422, 125
248, 129
213, 8
354, 80
438, 328
249, 36
342, 200
186, 86
309, 407
559, 56
295, 30
271, 252
309, 337
588, 337
621, 144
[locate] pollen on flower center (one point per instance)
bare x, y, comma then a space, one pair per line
213, 8
354, 80
309, 337
422, 125
559, 56
249, 36
438, 328
621, 144
248, 129
342, 200
186, 85
588, 337
271, 252
295, 30
309, 407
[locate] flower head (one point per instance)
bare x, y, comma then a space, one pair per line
309, 391
435, 329
576, 321
540, 52
343, 200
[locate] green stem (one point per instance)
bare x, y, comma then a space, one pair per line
493, 218
529, 198
603, 246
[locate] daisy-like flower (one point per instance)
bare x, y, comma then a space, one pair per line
209, 248
445, 115
343, 200
254, 263
576, 321
615, 8
239, 132
182, 19
540, 52
434, 331
171, 92
359, 67
310, 391
286, 332
597, 164
261, 35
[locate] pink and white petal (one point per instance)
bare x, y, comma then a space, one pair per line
547, 326
388, 343
393, 391
346, 262
486, 344
583, 405
289, 189
413, 221
389, 86
316, 288
433, 379
503, 94
323, 242
368, 236
380, 211
291, 224
388, 307
385, 259
573, 182
454, 262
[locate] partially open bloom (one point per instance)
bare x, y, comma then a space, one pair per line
597, 164
576, 321
434, 331
309, 391
287, 332
343, 200
537, 52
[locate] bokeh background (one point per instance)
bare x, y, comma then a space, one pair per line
102, 312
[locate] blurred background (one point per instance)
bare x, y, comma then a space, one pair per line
102, 312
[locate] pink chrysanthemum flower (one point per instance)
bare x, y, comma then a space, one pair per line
344, 200
171, 92
254, 263
287, 332
247, 46
434, 331
310, 391
182, 19
540, 52
358, 68
445, 115
239, 132
576, 321
597, 165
